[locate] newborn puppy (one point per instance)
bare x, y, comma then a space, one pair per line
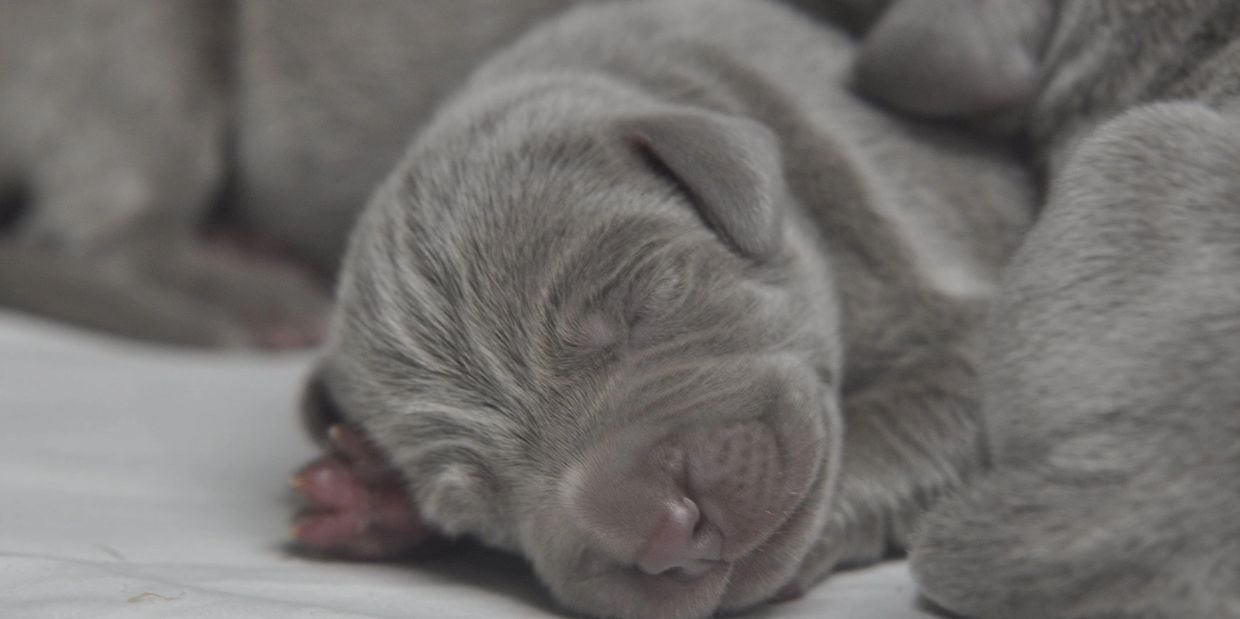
657, 303
131, 123
1110, 384
328, 95
112, 148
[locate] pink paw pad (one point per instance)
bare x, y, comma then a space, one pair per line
356, 506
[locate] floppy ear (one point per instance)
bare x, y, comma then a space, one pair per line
729, 166
319, 411
953, 57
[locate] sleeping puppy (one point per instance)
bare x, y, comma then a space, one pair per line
1110, 383
130, 125
113, 146
657, 303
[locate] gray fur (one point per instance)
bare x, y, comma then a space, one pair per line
730, 166
953, 57
1110, 383
109, 143
1091, 59
1111, 393
1102, 59
550, 315
126, 122
328, 95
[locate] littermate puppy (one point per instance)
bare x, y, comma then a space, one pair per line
1055, 70
657, 303
1110, 393
111, 150
1110, 382
131, 127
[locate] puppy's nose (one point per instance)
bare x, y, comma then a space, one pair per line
682, 543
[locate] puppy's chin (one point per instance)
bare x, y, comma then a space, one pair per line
717, 512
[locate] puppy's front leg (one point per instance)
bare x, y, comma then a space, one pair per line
120, 111
65, 289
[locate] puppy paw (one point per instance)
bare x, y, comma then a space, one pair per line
822, 560
962, 547
355, 506
853, 537
1029, 544
278, 305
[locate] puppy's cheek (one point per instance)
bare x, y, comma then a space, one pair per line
463, 500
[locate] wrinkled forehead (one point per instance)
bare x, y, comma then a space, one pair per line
459, 266
502, 251
501, 208
512, 194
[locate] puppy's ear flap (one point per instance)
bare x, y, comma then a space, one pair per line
943, 58
319, 410
729, 166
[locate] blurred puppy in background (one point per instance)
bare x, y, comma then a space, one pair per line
132, 126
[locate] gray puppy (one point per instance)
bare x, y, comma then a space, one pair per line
656, 302
1110, 386
127, 124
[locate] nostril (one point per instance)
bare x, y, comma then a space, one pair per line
682, 542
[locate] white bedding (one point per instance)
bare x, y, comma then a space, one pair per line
142, 482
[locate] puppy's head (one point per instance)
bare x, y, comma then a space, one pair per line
600, 340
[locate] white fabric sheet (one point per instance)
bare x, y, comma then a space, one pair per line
143, 482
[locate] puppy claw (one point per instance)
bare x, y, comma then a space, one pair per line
329, 482
356, 505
